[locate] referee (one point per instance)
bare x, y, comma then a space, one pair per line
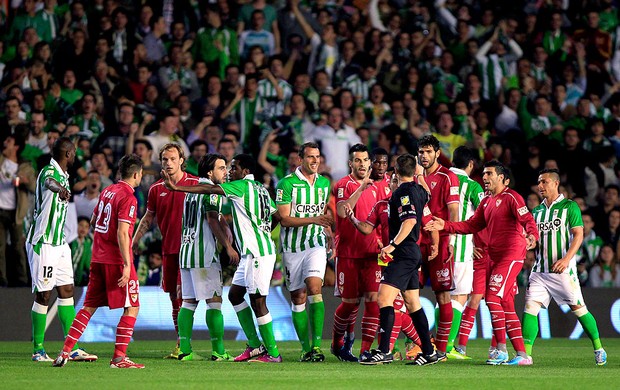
405, 209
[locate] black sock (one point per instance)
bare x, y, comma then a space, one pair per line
421, 326
386, 323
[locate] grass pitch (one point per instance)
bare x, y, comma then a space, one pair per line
558, 364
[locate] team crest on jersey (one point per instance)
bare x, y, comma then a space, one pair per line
387, 190
320, 193
279, 194
340, 192
132, 211
404, 200
498, 202
433, 184
426, 211
134, 297
374, 194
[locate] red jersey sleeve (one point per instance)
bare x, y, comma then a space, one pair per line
473, 225
522, 214
342, 191
126, 210
426, 215
373, 216
151, 201
452, 183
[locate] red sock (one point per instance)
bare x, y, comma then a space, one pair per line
493, 341
124, 330
341, 322
370, 324
176, 305
398, 321
352, 321
443, 329
467, 323
409, 330
498, 319
77, 328
513, 325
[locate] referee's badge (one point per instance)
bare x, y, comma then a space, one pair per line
404, 200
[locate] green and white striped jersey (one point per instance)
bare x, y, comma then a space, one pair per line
198, 245
251, 209
50, 212
554, 224
267, 91
470, 195
306, 200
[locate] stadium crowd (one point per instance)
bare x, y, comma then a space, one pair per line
533, 84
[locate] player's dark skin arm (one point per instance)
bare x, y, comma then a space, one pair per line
222, 236
54, 186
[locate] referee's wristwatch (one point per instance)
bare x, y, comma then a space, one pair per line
394, 244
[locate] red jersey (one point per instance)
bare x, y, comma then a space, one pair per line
117, 203
383, 187
350, 242
505, 216
378, 219
444, 187
168, 208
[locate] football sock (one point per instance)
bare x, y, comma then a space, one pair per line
421, 326
386, 324
498, 320
530, 331
457, 312
186, 326
513, 326
39, 321
215, 323
66, 314
409, 330
587, 321
244, 314
443, 329
316, 315
75, 331
341, 323
467, 323
124, 330
370, 324
176, 305
352, 320
398, 320
265, 326
300, 322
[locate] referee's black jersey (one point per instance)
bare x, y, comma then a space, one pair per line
407, 202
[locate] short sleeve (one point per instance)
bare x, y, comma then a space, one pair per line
234, 189
373, 216
426, 215
406, 209
574, 215
126, 209
341, 191
212, 202
476, 194
284, 192
452, 182
151, 201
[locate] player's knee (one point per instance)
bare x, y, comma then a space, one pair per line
189, 305
532, 308
580, 311
42, 298
213, 304
131, 311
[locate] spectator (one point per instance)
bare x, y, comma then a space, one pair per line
81, 252
606, 273
86, 202
197, 150
168, 129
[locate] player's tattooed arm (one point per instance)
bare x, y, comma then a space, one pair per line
54, 186
143, 227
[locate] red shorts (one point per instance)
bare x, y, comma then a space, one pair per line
171, 277
503, 279
354, 277
103, 287
482, 268
438, 270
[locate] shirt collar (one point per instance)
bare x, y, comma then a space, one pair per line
56, 166
301, 175
249, 177
458, 171
127, 184
559, 199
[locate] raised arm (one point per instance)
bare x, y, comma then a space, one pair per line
54, 186
308, 30
352, 201
197, 189
363, 227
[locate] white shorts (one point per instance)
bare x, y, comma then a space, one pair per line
50, 266
564, 289
254, 273
201, 283
463, 276
302, 265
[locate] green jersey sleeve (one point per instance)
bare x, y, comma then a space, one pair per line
574, 215
476, 194
212, 202
236, 188
284, 192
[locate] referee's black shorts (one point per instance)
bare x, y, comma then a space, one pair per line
402, 272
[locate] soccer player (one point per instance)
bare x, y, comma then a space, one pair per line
49, 254
443, 203
357, 271
305, 234
113, 281
505, 215
167, 206
555, 273
201, 271
378, 173
252, 218
405, 207
470, 195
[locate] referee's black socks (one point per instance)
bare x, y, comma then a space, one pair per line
386, 323
421, 326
